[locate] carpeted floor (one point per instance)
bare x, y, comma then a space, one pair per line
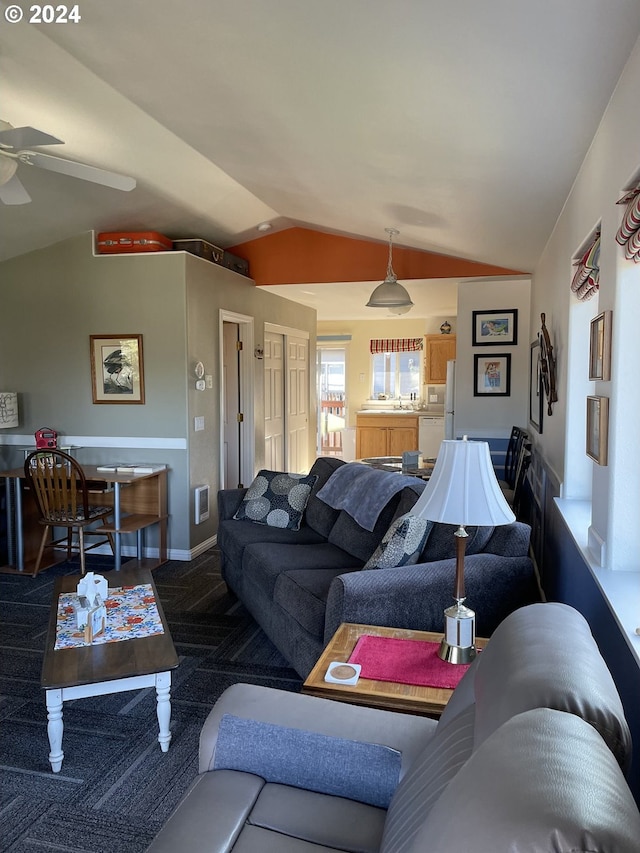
116, 787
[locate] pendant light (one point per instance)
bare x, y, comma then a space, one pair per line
390, 294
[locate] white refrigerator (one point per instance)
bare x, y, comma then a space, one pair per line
449, 401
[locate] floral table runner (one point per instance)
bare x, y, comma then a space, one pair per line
132, 613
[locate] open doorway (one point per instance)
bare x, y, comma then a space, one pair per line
332, 395
237, 456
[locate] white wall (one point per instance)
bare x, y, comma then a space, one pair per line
612, 162
492, 416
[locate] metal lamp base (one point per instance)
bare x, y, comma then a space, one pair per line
456, 654
459, 642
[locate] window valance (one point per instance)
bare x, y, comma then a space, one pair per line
629, 232
395, 344
586, 279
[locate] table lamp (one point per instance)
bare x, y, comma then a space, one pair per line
463, 490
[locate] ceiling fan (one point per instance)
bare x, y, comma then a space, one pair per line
15, 143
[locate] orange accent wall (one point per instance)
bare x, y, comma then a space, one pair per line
303, 256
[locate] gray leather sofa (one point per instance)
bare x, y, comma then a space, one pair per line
529, 755
299, 585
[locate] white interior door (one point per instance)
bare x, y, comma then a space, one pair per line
274, 401
297, 402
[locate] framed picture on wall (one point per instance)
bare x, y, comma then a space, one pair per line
536, 395
597, 429
600, 347
492, 375
117, 371
491, 328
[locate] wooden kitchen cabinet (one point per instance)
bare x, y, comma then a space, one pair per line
438, 350
385, 435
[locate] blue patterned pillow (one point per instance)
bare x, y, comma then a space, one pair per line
402, 544
277, 499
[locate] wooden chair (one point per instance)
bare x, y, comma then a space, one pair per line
62, 496
518, 435
514, 494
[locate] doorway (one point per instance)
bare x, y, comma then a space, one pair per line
237, 456
332, 392
287, 398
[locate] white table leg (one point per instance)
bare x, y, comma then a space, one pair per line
163, 690
54, 728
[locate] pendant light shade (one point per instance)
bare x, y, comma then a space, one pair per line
390, 294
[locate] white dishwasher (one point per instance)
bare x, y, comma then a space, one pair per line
430, 434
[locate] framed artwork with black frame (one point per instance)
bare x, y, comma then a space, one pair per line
536, 394
600, 347
117, 370
597, 429
491, 328
492, 375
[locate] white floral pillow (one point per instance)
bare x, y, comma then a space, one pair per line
402, 544
277, 499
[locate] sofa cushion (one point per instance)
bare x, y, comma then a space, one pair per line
302, 593
276, 499
441, 542
347, 534
319, 515
262, 563
402, 544
234, 536
526, 665
544, 780
366, 772
302, 818
428, 776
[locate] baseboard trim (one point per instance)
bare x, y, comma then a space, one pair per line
181, 555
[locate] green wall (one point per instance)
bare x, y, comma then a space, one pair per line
51, 300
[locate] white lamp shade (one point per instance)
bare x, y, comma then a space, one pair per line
8, 409
463, 488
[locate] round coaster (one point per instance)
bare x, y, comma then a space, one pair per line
343, 671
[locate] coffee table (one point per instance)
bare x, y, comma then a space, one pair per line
391, 696
107, 668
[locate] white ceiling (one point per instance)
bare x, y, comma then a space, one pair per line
461, 123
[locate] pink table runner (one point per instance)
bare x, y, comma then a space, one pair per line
132, 613
405, 661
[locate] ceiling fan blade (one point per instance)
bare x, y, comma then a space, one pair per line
78, 170
13, 192
25, 137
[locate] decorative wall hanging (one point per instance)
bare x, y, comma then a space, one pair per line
547, 367
629, 232
586, 279
117, 374
597, 429
491, 328
535, 387
600, 347
492, 375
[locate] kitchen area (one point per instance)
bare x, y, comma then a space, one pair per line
390, 427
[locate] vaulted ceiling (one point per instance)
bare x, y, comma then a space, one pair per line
462, 124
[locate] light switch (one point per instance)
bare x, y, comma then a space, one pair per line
433, 398
209, 380
198, 423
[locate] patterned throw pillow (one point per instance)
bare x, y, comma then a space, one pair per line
277, 499
402, 544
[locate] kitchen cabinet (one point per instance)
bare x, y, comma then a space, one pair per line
438, 350
385, 435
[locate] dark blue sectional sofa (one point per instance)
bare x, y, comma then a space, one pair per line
300, 585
